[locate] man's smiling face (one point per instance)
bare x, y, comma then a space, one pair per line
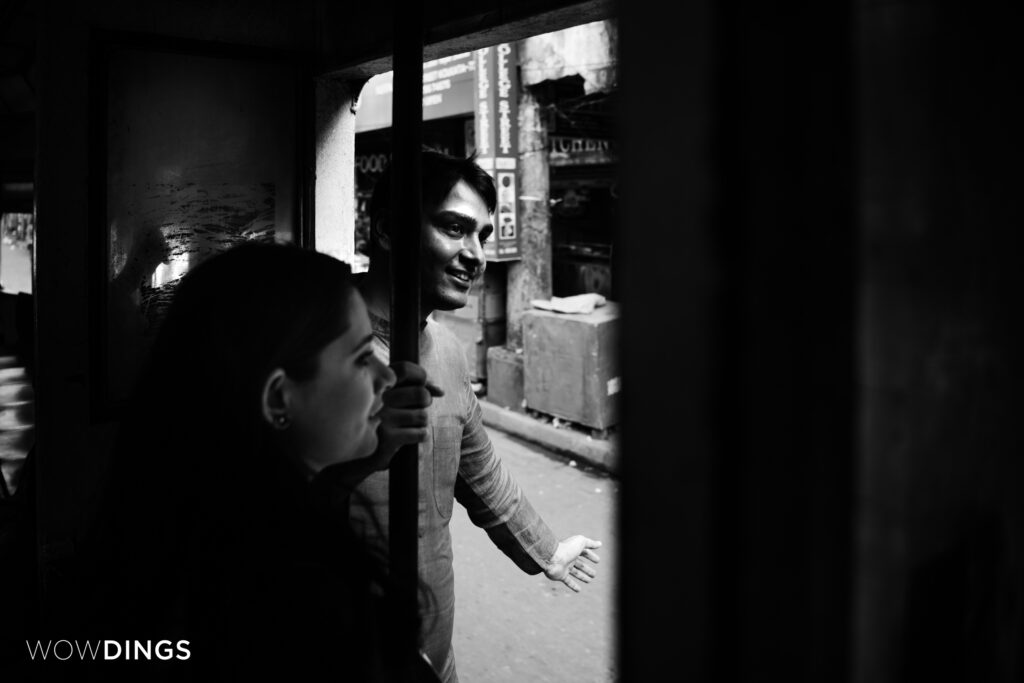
452, 259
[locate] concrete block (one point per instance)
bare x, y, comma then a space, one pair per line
570, 367
603, 453
505, 378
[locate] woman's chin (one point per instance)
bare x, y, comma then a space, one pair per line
369, 445
365, 448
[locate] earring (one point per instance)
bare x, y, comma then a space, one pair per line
281, 421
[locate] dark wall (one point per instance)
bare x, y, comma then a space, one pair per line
820, 235
738, 235
73, 439
672, 283
940, 336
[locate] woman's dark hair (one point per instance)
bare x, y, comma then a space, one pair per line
440, 173
210, 532
197, 471
235, 317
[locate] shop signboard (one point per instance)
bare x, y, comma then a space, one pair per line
447, 91
574, 151
496, 109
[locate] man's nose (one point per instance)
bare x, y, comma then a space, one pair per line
473, 251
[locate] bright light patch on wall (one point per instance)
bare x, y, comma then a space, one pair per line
18, 236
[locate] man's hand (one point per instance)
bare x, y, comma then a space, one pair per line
404, 415
567, 564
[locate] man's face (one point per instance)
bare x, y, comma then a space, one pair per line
453, 256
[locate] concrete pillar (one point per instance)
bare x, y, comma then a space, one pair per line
530, 277
335, 183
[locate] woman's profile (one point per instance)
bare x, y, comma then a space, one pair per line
225, 519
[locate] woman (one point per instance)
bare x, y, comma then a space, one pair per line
226, 521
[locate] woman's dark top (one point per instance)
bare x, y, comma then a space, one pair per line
262, 583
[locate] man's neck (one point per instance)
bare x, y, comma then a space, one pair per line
376, 291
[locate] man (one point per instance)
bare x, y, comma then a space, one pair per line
457, 460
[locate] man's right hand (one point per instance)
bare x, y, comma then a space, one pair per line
404, 415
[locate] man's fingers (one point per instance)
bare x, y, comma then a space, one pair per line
590, 555
405, 435
581, 575
401, 417
585, 569
408, 373
571, 584
407, 397
412, 395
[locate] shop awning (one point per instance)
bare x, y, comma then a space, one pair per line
447, 91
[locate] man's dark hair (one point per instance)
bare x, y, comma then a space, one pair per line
441, 172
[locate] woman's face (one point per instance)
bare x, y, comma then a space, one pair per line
334, 413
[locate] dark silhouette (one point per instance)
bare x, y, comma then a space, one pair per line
225, 520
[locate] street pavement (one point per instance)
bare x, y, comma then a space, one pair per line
510, 626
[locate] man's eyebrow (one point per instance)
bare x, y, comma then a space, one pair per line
365, 340
457, 217
452, 214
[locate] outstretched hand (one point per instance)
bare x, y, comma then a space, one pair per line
568, 566
404, 415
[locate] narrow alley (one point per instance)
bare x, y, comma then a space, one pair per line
510, 626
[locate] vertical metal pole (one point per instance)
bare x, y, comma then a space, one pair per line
406, 202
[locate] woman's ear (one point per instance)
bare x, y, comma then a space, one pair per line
274, 400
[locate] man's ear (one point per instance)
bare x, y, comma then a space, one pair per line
380, 233
274, 399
